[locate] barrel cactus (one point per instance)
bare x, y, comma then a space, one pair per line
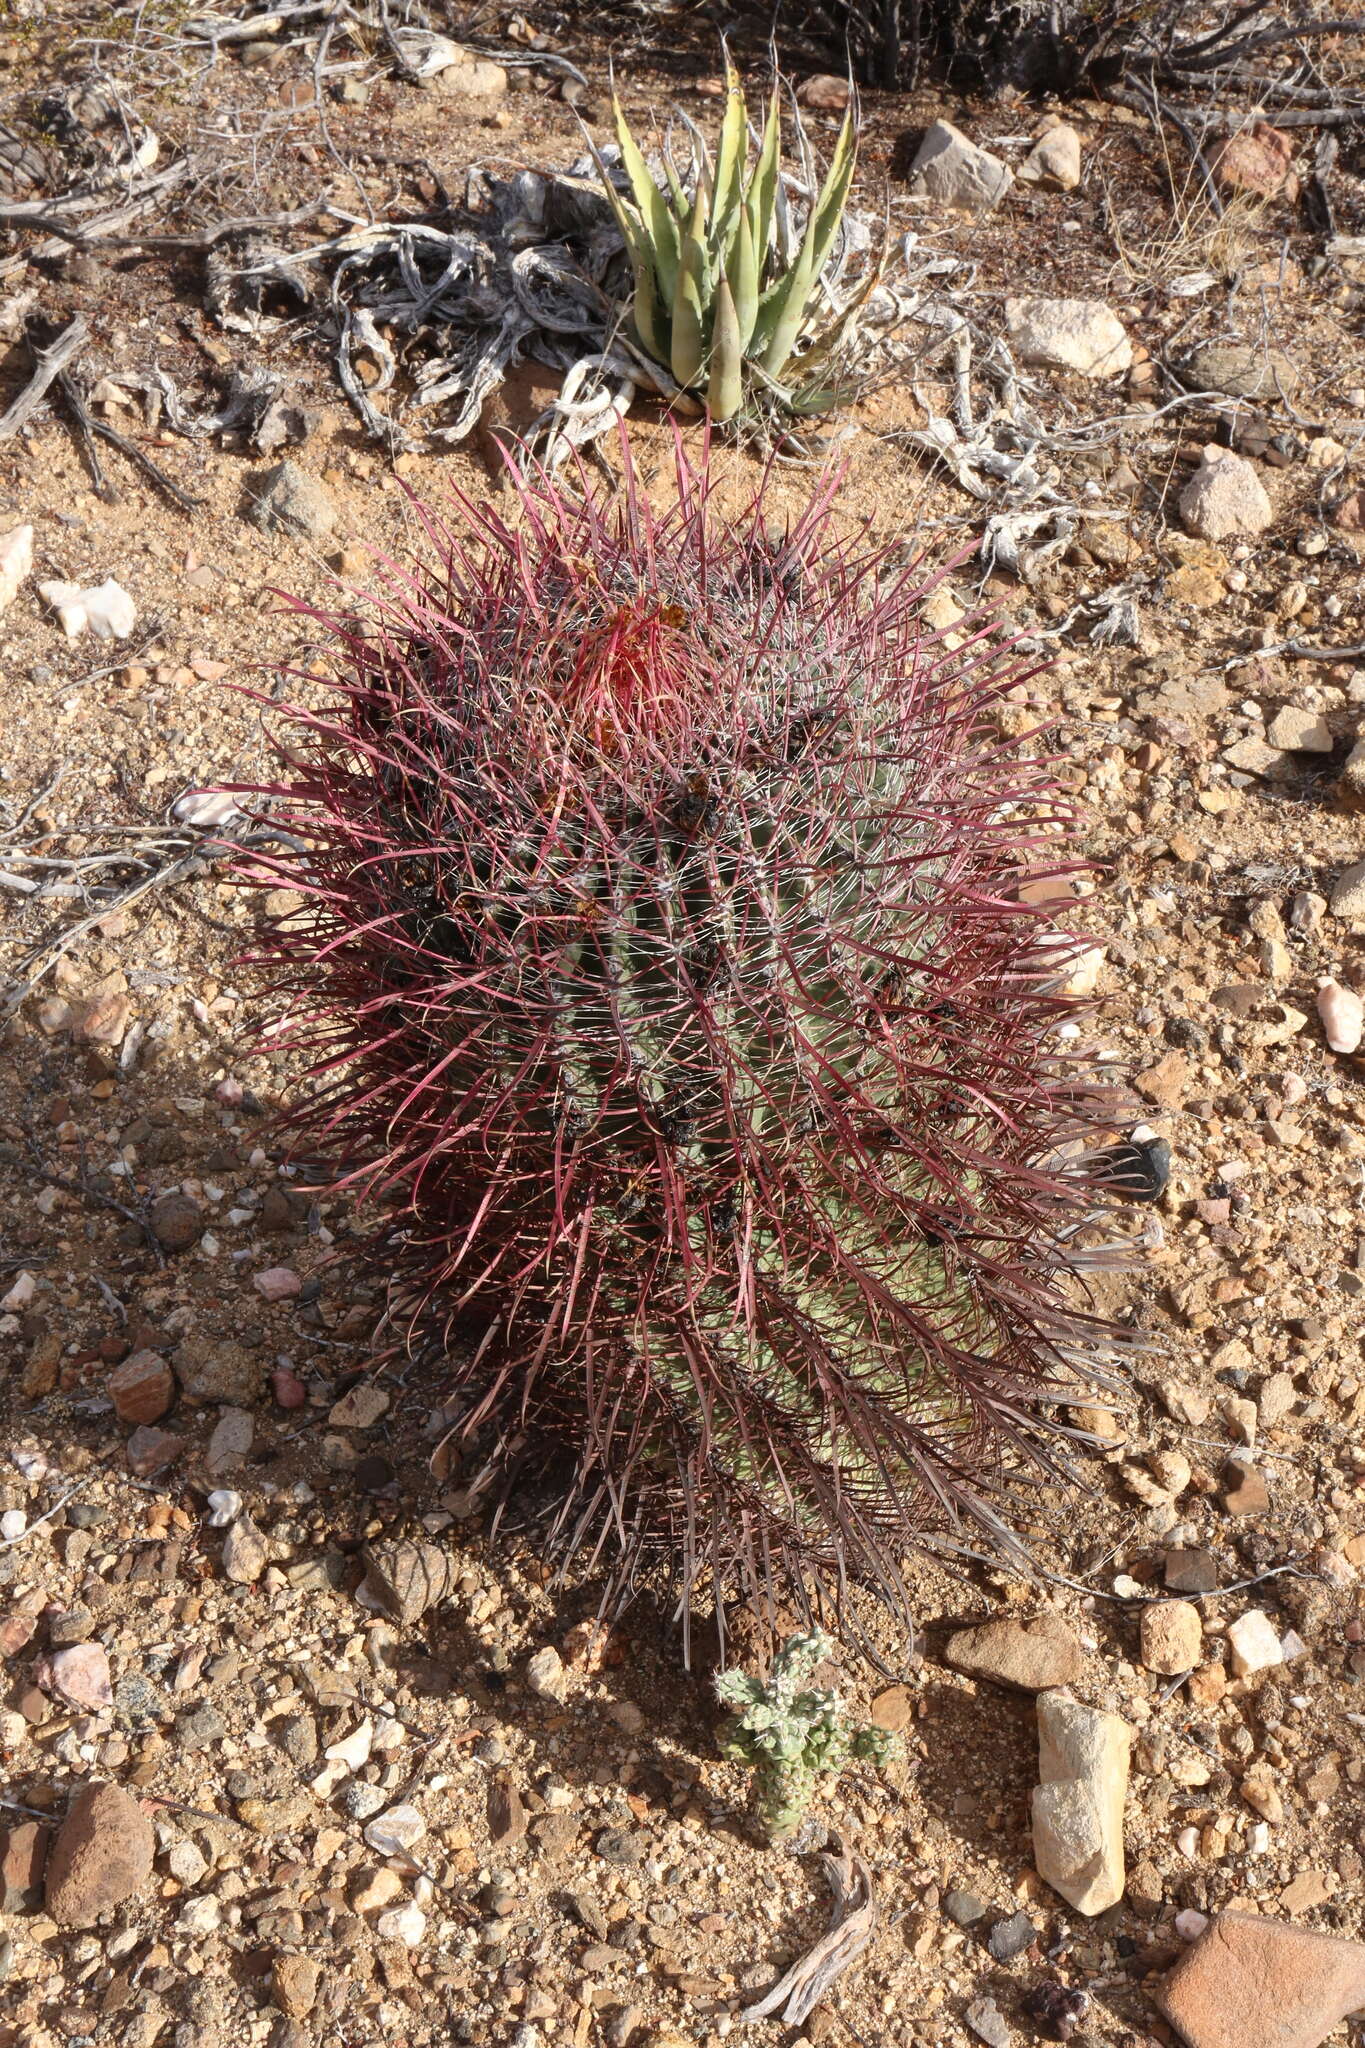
678, 986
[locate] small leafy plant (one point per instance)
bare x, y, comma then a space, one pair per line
792, 1734
730, 296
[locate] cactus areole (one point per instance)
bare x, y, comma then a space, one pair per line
671, 992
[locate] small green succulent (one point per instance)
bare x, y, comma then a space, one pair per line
727, 296
792, 1734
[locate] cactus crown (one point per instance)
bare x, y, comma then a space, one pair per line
667, 982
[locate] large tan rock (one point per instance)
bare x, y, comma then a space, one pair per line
949, 168
1078, 1806
102, 1855
1249, 1982
1224, 497
1030, 1656
1069, 334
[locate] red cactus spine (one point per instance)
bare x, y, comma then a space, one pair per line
667, 982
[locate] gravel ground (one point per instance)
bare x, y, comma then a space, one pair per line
356, 1800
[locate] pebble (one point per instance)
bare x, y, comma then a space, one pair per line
507, 1817
149, 1451
224, 1506
1258, 159
1054, 160
1172, 1637
474, 78
287, 1388
230, 1443
213, 1371
142, 1388
1245, 1491
1029, 1656
294, 1982
361, 1408
104, 609
277, 1283
964, 1909
1300, 731
1262, 1794
102, 1856
824, 91
23, 1853
621, 1846
20, 1295
396, 1832
1190, 1571
1343, 1016
402, 1923
289, 501
546, 1676
1348, 893
187, 1862
405, 1579
201, 1915
1242, 369
1078, 1805
200, 1727
177, 1222
360, 1801
1009, 1938
1084, 335
79, 1675
987, 2022
353, 1750
1253, 1643
372, 1890
16, 563
245, 1552
1253, 1982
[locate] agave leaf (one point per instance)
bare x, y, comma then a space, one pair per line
728, 189
687, 347
763, 185
677, 194
659, 223
725, 391
783, 310
646, 312
828, 209
781, 318
743, 275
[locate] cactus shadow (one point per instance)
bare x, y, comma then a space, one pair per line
977, 1765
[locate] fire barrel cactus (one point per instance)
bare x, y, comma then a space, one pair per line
677, 986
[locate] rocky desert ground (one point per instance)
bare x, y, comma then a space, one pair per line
293, 1752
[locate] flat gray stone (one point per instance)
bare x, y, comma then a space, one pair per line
950, 168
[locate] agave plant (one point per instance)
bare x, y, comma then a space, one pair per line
729, 295
672, 977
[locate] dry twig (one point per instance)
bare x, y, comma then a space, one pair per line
49, 364
852, 1926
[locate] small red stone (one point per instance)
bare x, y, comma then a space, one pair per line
288, 1388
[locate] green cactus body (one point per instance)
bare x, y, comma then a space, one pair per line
670, 987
